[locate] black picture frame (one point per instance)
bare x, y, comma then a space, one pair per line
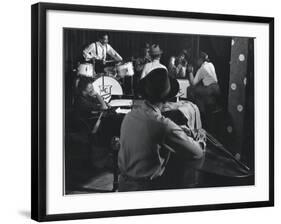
39, 123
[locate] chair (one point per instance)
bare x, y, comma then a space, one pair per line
115, 146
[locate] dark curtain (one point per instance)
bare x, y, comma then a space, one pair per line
219, 49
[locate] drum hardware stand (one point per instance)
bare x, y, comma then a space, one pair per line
102, 84
132, 85
102, 76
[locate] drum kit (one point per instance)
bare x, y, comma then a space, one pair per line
109, 82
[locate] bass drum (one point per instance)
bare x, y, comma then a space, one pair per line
86, 70
107, 86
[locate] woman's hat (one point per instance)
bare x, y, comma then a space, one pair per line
157, 86
155, 50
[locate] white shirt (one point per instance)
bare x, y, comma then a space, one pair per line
99, 51
206, 73
150, 66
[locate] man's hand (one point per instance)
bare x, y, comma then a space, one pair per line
202, 144
104, 107
187, 130
200, 134
93, 93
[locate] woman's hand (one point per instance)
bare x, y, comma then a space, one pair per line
190, 69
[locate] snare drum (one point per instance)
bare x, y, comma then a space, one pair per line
86, 69
126, 69
107, 86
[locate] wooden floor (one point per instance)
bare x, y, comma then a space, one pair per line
102, 182
84, 174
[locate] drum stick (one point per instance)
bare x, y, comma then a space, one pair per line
108, 61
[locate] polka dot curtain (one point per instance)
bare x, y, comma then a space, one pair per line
237, 91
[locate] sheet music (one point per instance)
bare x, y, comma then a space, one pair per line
122, 111
121, 103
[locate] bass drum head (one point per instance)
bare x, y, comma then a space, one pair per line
107, 86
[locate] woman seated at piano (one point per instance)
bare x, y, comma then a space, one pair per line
98, 52
93, 118
88, 100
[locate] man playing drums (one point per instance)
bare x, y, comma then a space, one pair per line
98, 52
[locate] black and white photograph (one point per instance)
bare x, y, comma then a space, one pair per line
145, 111
157, 111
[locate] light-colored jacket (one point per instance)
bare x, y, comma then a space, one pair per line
147, 139
150, 66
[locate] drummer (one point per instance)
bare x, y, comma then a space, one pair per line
98, 52
155, 53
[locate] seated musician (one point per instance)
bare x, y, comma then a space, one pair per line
147, 138
155, 53
87, 99
98, 52
87, 104
204, 89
